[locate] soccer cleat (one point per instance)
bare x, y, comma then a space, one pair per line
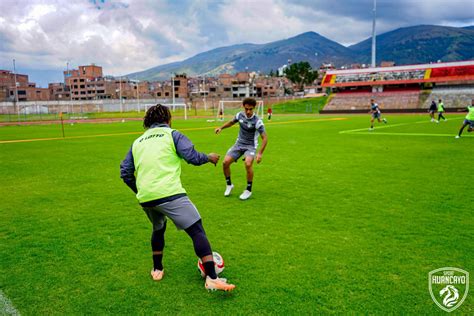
218, 284
245, 195
457, 136
385, 121
228, 190
157, 275
371, 129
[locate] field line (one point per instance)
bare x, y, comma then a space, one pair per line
315, 120
412, 134
6, 306
138, 133
380, 127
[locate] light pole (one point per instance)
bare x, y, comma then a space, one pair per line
373, 34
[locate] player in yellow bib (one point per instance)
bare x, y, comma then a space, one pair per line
469, 120
152, 169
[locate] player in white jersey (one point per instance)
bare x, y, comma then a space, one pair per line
247, 143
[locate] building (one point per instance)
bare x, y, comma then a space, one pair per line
58, 91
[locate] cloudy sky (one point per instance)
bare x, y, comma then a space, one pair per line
125, 36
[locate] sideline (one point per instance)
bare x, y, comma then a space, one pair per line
138, 133
6, 306
364, 131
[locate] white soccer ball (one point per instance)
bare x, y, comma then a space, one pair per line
218, 264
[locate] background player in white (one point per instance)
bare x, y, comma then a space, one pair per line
246, 144
375, 114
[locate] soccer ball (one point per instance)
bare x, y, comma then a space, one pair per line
218, 264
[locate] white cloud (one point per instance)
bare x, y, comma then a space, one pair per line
133, 35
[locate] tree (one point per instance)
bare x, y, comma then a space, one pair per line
300, 74
271, 74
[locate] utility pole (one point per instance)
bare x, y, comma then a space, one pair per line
16, 90
138, 95
204, 91
68, 80
172, 89
120, 95
373, 34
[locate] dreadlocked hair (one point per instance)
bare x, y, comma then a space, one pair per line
156, 114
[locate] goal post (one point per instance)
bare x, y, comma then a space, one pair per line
172, 106
232, 106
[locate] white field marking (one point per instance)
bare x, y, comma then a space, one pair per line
413, 134
6, 306
358, 131
385, 126
137, 133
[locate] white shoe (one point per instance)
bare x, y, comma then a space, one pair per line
371, 129
218, 284
228, 190
245, 195
457, 136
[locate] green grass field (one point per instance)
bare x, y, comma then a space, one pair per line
342, 220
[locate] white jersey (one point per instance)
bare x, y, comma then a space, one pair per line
250, 128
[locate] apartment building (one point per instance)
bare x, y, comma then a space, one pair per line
23, 91
58, 91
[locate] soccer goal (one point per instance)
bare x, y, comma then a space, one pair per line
232, 106
174, 107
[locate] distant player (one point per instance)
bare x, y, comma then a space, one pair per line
432, 110
246, 145
469, 120
376, 114
221, 114
441, 110
269, 112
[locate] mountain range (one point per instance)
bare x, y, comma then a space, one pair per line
408, 45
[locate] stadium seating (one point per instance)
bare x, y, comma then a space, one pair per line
359, 101
454, 97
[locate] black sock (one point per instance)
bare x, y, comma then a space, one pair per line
249, 186
158, 262
210, 269
227, 179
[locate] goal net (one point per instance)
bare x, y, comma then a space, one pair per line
230, 108
178, 109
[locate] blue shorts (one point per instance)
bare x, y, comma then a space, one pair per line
469, 122
376, 115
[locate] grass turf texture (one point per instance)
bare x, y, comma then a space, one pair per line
338, 223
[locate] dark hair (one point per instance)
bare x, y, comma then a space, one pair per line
249, 101
156, 114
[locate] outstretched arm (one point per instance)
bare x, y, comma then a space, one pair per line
262, 148
226, 125
185, 149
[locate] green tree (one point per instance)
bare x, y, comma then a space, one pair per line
271, 74
300, 74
